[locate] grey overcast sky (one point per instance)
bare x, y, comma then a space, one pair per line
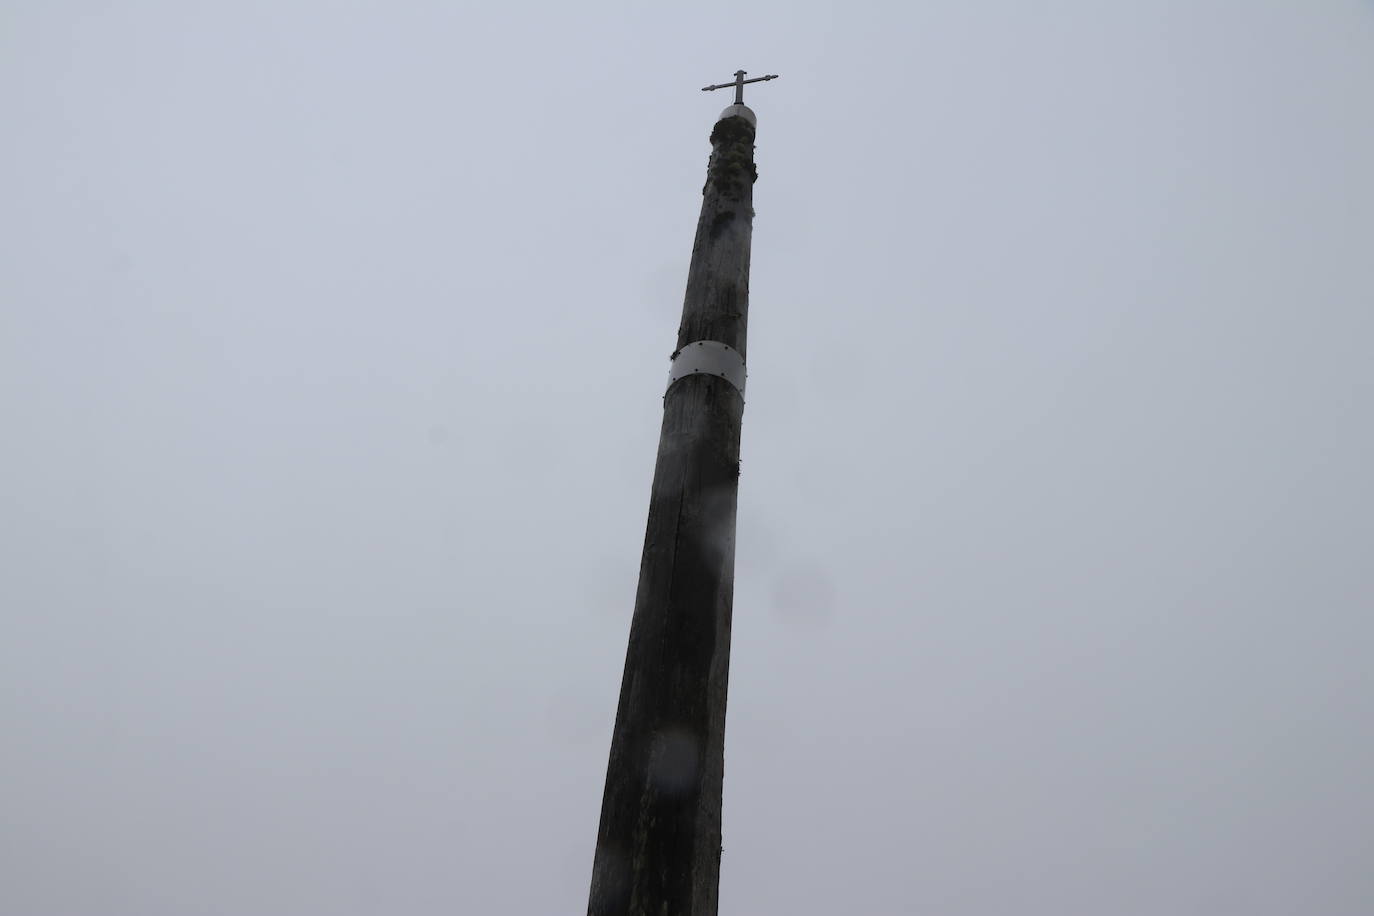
332, 337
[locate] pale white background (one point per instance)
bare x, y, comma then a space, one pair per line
331, 343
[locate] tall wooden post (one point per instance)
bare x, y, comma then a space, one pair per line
659, 844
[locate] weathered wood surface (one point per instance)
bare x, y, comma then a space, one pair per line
659, 843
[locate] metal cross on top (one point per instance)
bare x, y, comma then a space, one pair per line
739, 84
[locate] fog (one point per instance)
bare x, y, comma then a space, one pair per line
332, 341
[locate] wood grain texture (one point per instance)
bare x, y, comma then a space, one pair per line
659, 842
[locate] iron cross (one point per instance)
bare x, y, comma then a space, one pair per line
739, 84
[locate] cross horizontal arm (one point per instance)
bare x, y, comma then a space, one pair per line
757, 79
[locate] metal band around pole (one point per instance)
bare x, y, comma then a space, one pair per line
708, 357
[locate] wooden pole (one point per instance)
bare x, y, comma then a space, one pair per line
659, 843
